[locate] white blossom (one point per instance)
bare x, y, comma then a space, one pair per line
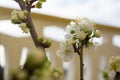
22, 15
87, 25
114, 63
112, 74
65, 52
79, 32
97, 33
71, 27
69, 38
81, 35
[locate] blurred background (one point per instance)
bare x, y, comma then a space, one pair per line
50, 22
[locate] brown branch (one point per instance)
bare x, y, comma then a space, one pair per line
80, 53
33, 32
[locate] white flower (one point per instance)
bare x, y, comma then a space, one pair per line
69, 38
66, 51
71, 27
81, 35
97, 33
114, 63
112, 74
22, 15
87, 25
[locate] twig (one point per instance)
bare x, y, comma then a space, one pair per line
33, 32
80, 53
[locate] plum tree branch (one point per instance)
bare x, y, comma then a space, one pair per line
29, 21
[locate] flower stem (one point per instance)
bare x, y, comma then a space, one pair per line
117, 76
80, 53
33, 32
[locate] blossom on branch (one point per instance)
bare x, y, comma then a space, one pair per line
114, 63
19, 17
113, 68
66, 51
79, 32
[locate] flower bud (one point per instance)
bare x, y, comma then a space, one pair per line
24, 27
81, 35
22, 15
97, 33
25, 12
42, 0
40, 40
19, 75
14, 15
48, 43
34, 59
38, 5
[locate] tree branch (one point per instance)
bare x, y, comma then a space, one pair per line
29, 21
80, 53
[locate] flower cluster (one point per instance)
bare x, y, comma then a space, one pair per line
114, 63
113, 67
19, 17
36, 67
80, 32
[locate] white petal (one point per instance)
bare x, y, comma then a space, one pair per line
112, 74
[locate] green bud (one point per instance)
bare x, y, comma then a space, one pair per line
34, 59
105, 75
97, 34
56, 72
24, 27
56, 75
15, 21
89, 33
47, 64
48, 43
38, 5
25, 12
40, 40
14, 17
21, 15
42, 0
72, 32
26, 30
19, 75
45, 42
